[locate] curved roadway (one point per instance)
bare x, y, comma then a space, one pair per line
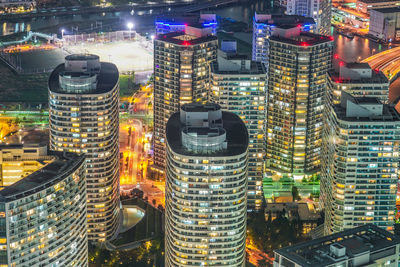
387, 61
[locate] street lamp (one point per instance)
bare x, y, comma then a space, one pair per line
62, 34
152, 38
130, 26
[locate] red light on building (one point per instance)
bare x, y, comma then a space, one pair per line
186, 43
335, 56
341, 63
298, 25
304, 44
331, 38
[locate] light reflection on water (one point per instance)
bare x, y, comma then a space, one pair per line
350, 50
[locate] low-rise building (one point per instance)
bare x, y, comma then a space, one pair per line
306, 214
17, 5
366, 245
365, 6
384, 23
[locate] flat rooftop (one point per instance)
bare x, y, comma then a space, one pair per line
357, 240
179, 19
376, 78
106, 79
389, 113
281, 19
304, 39
358, 65
256, 68
64, 164
236, 136
179, 38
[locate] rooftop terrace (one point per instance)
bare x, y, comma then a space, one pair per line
363, 239
63, 165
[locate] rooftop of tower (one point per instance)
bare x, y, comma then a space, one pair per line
61, 165
230, 124
292, 35
365, 109
280, 19
188, 38
357, 73
107, 74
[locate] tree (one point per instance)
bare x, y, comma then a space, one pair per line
295, 193
262, 263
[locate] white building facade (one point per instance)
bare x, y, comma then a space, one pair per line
359, 173
84, 118
206, 188
43, 218
238, 86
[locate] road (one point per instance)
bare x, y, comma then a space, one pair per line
387, 61
135, 147
256, 255
131, 148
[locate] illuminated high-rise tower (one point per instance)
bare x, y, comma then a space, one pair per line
265, 24
181, 75
84, 110
206, 188
297, 83
238, 86
43, 214
319, 10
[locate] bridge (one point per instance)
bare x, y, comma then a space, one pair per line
29, 37
387, 61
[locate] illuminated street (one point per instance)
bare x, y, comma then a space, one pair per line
387, 61
135, 146
255, 255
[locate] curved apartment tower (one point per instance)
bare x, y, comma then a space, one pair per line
42, 208
206, 186
84, 100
